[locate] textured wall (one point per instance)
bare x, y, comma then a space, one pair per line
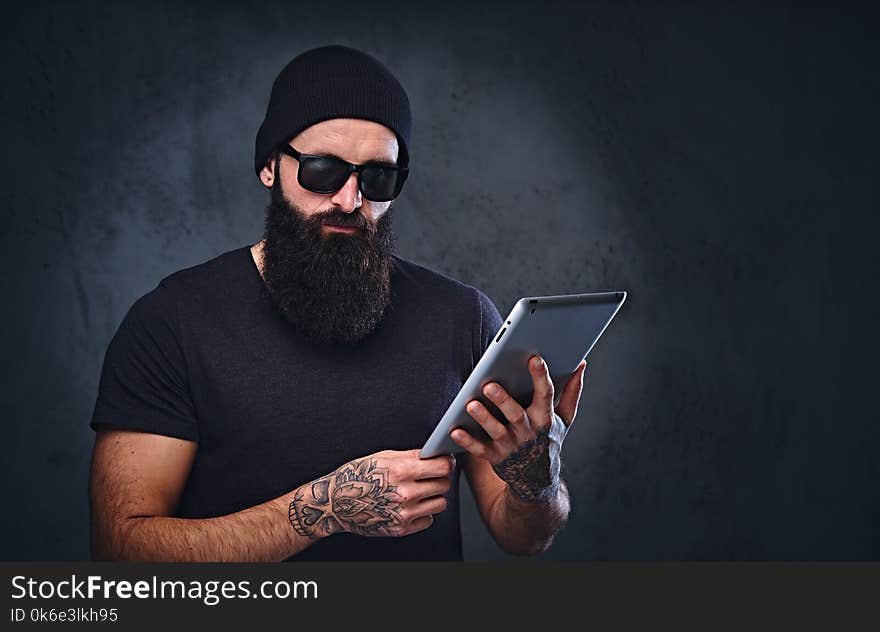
716, 162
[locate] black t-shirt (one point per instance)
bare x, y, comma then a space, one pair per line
204, 357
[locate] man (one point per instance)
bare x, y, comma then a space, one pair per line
269, 404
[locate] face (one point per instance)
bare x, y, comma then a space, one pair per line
333, 284
354, 140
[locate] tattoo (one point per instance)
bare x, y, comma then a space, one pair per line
356, 498
532, 472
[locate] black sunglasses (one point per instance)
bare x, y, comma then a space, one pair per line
325, 174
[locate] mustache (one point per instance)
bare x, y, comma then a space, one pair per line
338, 217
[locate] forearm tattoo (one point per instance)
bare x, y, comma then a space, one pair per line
356, 498
532, 472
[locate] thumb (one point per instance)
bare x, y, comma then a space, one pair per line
571, 394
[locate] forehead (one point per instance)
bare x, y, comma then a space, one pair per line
355, 139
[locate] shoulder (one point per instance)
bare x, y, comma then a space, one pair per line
216, 272
188, 284
442, 291
435, 282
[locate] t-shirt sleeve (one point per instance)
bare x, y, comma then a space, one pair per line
144, 383
489, 322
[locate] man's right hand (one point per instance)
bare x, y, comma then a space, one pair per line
389, 493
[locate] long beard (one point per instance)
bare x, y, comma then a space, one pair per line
334, 288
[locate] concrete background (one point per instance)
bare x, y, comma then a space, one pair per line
718, 162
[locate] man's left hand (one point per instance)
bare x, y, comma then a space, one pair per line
525, 451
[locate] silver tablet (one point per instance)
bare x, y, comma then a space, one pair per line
561, 329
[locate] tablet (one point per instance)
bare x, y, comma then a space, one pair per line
561, 329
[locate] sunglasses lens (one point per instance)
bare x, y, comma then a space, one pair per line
381, 185
322, 175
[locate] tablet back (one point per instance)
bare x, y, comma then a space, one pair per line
561, 329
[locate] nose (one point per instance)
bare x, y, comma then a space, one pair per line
348, 198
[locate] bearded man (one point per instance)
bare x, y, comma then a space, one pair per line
269, 404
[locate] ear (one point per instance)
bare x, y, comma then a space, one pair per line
267, 173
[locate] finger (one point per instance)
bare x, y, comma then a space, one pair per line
464, 439
426, 507
425, 488
496, 430
519, 420
433, 467
543, 385
571, 394
542, 397
419, 524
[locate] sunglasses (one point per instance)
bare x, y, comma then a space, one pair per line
325, 174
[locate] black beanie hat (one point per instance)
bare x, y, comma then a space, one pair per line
332, 82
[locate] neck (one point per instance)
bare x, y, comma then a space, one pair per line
257, 255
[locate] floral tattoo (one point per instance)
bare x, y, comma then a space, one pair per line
356, 498
532, 472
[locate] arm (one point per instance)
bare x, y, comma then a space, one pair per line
137, 479
136, 482
517, 526
515, 475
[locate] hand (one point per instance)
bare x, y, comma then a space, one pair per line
389, 493
525, 452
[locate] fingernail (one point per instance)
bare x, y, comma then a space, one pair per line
492, 389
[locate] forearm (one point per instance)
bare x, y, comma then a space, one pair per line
527, 527
262, 533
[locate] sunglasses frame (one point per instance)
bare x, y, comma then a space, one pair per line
403, 172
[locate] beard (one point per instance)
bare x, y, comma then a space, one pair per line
333, 288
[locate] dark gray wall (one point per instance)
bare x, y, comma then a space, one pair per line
715, 161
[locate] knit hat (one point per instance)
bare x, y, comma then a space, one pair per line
332, 82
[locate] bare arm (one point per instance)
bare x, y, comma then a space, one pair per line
136, 482
517, 526
515, 475
137, 479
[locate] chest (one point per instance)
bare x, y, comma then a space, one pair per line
273, 409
